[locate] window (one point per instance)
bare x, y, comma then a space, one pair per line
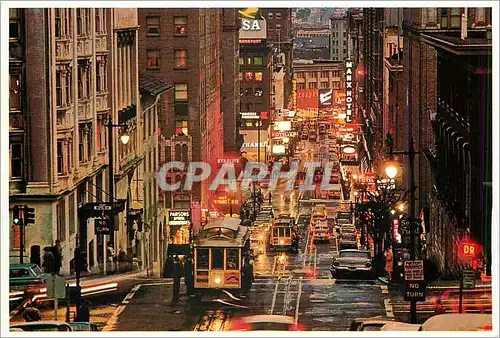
249, 61
59, 93
14, 25
248, 76
202, 258
258, 92
270, 16
180, 25
100, 20
312, 85
61, 220
101, 81
60, 157
181, 92
258, 76
88, 137
15, 92
79, 21
16, 160
153, 56
58, 23
72, 213
242, 61
324, 74
181, 127
278, 26
217, 259
278, 16
455, 17
248, 91
69, 153
241, 76
301, 86
69, 92
82, 142
324, 85
257, 61
444, 17
232, 259
153, 25
180, 58
81, 72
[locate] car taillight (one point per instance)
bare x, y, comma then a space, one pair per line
240, 326
296, 327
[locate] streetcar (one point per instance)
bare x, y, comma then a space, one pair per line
222, 257
283, 235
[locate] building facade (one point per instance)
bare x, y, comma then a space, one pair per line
338, 36
319, 74
70, 71
183, 47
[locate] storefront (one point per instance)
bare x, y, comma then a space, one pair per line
179, 222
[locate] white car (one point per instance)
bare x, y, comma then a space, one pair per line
266, 323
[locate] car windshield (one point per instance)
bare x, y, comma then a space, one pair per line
372, 327
42, 327
356, 254
80, 327
348, 237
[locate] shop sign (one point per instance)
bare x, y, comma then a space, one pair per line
325, 98
179, 217
253, 25
348, 93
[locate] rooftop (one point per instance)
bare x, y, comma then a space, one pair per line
151, 85
475, 43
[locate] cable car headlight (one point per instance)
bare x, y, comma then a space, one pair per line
217, 280
282, 242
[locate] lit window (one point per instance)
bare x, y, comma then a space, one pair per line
181, 127
270, 16
248, 76
242, 61
241, 76
153, 25
181, 92
258, 76
15, 92
257, 61
278, 16
153, 57
180, 25
181, 58
258, 92
249, 60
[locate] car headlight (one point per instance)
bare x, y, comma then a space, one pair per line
336, 263
282, 241
217, 280
368, 264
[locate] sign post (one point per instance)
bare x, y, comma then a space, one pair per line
468, 281
415, 286
56, 289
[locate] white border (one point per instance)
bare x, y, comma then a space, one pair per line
4, 132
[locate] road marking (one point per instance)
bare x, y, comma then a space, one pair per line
388, 308
114, 318
275, 295
298, 301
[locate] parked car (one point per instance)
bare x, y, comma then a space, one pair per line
266, 323
400, 326
355, 324
458, 322
352, 262
83, 326
42, 326
373, 324
348, 241
26, 275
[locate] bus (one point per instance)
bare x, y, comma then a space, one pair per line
284, 236
222, 257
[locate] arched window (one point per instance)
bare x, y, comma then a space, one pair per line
178, 152
185, 153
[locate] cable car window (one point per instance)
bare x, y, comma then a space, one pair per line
287, 232
276, 232
217, 259
202, 258
232, 259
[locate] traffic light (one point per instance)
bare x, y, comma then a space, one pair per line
18, 215
29, 215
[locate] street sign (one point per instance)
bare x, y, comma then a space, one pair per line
415, 290
414, 270
103, 207
102, 226
469, 279
56, 287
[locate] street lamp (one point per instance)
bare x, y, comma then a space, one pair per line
124, 138
391, 170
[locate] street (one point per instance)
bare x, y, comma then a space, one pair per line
298, 285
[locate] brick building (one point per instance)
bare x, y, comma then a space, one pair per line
184, 48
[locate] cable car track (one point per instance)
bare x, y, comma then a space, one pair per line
214, 320
289, 291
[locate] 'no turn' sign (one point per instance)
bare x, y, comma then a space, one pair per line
414, 270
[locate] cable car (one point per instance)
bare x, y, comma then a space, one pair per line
222, 257
284, 235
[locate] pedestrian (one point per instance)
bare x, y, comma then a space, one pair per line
176, 272
48, 260
111, 258
31, 314
439, 309
83, 312
270, 197
389, 264
58, 257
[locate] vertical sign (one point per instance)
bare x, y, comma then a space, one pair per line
294, 94
348, 93
325, 97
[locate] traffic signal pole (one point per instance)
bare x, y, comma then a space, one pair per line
21, 241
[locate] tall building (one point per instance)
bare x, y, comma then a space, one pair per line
279, 33
451, 101
71, 69
312, 43
183, 47
230, 77
338, 36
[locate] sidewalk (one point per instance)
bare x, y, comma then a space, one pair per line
437, 285
91, 278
